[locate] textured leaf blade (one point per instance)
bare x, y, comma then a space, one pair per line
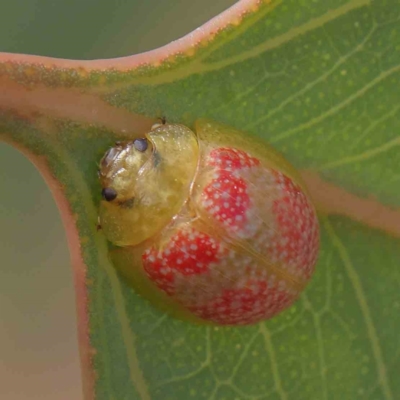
321, 83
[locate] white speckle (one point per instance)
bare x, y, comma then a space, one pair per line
164, 271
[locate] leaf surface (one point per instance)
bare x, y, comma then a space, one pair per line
320, 80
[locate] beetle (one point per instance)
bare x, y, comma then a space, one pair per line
212, 223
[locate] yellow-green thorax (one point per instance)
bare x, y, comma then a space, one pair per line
151, 186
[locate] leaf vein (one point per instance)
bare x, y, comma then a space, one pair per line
311, 85
363, 156
333, 110
365, 310
277, 41
320, 342
129, 337
274, 364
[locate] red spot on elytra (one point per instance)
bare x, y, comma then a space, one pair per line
297, 240
188, 252
231, 159
226, 199
249, 304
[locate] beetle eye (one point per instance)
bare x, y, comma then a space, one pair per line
141, 144
109, 194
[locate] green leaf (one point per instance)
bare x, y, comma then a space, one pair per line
321, 81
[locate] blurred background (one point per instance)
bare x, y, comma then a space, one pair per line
38, 344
